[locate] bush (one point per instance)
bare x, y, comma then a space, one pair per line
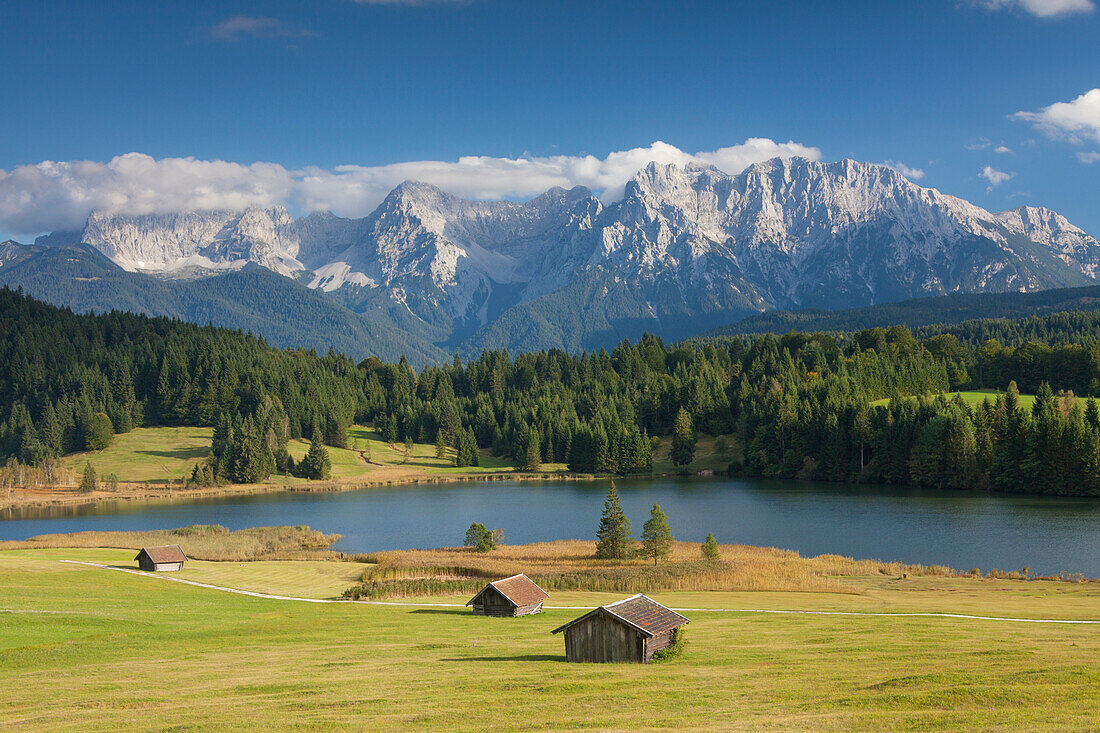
99, 432
482, 539
675, 649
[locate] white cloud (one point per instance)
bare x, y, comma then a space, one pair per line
60, 195
995, 177
1040, 8
1076, 121
1089, 157
913, 174
240, 27
1002, 149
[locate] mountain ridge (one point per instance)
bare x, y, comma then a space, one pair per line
684, 250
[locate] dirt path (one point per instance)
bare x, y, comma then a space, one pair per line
255, 594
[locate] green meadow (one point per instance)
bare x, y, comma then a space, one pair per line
975, 397
90, 649
163, 454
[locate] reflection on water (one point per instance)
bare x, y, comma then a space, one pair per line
1047, 534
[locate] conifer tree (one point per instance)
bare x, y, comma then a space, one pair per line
316, 464
657, 535
440, 444
710, 547
88, 481
683, 439
614, 536
532, 461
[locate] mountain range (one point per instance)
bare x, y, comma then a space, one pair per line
685, 250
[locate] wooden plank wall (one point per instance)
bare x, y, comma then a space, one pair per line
602, 639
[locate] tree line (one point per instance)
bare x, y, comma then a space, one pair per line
800, 404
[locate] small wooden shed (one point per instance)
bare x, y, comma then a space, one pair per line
630, 630
161, 559
514, 596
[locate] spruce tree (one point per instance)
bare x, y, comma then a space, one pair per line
710, 547
683, 439
473, 458
440, 444
614, 536
532, 459
316, 464
657, 535
88, 482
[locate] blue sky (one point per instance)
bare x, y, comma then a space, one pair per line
935, 86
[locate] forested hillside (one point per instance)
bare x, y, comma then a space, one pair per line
918, 312
798, 405
282, 310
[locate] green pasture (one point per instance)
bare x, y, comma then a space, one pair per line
89, 649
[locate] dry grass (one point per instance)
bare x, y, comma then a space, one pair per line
202, 542
570, 565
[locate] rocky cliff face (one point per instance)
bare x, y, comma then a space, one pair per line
1077, 249
684, 243
210, 239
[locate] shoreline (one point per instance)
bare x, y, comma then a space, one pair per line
30, 499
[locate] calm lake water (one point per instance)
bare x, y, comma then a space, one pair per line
1048, 534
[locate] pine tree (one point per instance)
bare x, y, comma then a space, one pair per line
316, 464
710, 547
532, 461
614, 535
88, 482
657, 535
683, 439
440, 444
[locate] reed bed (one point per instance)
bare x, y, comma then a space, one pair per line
203, 542
571, 565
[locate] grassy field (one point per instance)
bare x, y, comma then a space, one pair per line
155, 456
349, 463
92, 649
975, 397
147, 454
203, 541
707, 456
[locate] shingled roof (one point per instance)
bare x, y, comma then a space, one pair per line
518, 589
639, 611
164, 554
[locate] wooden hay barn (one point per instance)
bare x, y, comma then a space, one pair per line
514, 596
161, 559
630, 630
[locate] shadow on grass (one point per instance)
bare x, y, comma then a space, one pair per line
515, 658
446, 611
180, 453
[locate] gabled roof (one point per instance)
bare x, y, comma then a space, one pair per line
164, 554
639, 612
519, 590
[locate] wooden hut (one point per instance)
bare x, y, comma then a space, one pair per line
161, 559
514, 596
630, 630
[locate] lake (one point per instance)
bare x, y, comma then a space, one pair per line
1048, 534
